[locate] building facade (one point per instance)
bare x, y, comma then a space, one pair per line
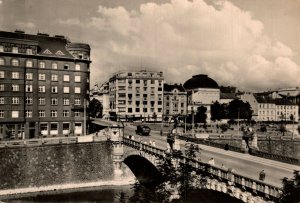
102, 94
44, 85
137, 95
175, 100
201, 91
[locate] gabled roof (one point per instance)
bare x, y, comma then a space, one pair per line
264, 99
282, 101
171, 87
50, 46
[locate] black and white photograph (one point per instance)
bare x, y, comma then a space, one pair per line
149, 101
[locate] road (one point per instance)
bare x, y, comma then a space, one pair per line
244, 164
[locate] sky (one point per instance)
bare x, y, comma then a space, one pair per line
253, 45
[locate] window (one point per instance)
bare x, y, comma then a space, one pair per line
137, 109
152, 81
66, 102
15, 100
15, 50
42, 113
53, 113
42, 88
66, 113
54, 65
77, 113
144, 110
137, 81
53, 101
66, 67
15, 62
28, 88
29, 64
77, 102
77, 78
77, 67
54, 126
66, 78
2, 61
66, 126
2, 101
2, 75
15, 114
28, 76
42, 76
54, 89
66, 89
1, 114
29, 51
28, 100
54, 77
15, 75
1, 48
129, 110
42, 101
28, 113
77, 90
1, 87
15, 88
42, 64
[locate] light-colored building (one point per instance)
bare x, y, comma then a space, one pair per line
201, 91
102, 94
267, 108
137, 95
175, 100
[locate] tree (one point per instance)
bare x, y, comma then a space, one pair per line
237, 109
291, 189
200, 116
217, 111
95, 108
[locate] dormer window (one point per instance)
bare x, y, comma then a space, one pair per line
66, 67
15, 50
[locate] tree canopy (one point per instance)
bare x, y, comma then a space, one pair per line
95, 108
237, 109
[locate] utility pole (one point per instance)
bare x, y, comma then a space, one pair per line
238, 122
84, 117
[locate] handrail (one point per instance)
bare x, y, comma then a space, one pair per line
235, 178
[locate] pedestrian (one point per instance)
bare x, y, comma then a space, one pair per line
153, 143
130, 136
211, 161
262, 175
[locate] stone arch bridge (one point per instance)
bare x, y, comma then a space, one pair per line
142, 159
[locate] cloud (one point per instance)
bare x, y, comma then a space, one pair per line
71, 21
1, 2
25, 25
183, 38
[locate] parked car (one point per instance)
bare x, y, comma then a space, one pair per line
142, 130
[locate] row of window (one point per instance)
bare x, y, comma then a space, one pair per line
42, 113
16, 50
42, 101
42, 76
137, 110
41, 64
42, 89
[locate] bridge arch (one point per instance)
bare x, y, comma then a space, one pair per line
144, 170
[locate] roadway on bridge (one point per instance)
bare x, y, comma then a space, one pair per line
244, 164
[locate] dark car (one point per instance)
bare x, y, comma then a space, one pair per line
142, 130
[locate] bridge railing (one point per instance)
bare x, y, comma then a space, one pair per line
233, 178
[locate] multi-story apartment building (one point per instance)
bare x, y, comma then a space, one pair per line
286, 110
175, 100
44, 84
137, 94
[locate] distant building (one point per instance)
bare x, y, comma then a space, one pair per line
201, 91
102, 94
44, 84
175, 100
137, 95
226, 98
267, 108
